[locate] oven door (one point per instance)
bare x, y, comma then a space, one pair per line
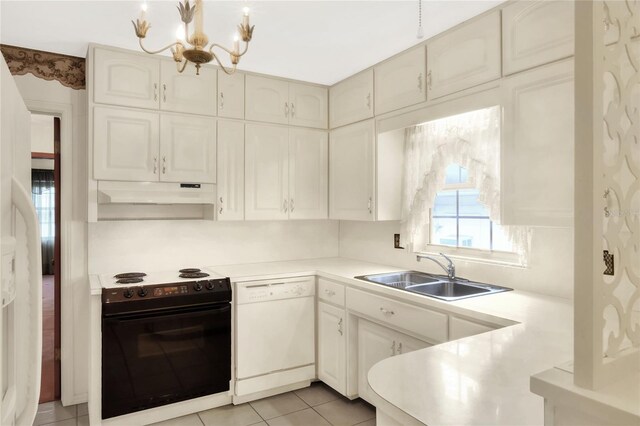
153, 359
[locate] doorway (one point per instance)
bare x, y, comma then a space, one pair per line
45, 184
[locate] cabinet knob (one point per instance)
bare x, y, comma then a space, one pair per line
221, 100
340, 327
155, 91
429, 80
420, 82
293, 110
164, 93
164, 164
155, 165
286, 109
369, 100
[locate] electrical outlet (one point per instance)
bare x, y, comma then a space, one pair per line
396, 241
608, 262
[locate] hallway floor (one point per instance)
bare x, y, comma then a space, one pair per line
47, 383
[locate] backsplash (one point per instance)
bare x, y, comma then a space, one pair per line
116, 246
550, 269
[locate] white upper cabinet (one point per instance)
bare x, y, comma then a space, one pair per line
280, 102
401, 81
464, 57
230, 170
351, 171
266, 172
351, 100
231, 95
535, 33
308, 105
186, 91
187, 149
308, 174
125, 145
126, 79
267, 99
537, 147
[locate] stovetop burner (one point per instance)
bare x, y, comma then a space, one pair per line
189, 270
133, 280
194, 275
131, 275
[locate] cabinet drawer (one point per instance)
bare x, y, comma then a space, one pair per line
459, 328
331, 292
423, 322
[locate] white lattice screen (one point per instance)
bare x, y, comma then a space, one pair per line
608, 315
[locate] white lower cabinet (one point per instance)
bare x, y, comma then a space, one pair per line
187, 149
332, 347
376, 343
230, 170
286, 173
351, 172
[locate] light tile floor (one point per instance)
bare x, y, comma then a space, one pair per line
317, 405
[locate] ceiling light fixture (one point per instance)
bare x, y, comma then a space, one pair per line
197, 53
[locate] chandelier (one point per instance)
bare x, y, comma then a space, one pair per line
193, 48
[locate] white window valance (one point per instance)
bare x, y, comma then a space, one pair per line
471, 140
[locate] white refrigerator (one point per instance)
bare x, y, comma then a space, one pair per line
21, 266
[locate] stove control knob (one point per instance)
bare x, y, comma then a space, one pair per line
210, 285
128, 293
197, 286
142, 292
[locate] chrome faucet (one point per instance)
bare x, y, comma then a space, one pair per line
450, 269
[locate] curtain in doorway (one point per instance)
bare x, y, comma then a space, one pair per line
43, 195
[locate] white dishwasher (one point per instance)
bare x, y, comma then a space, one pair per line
275, 333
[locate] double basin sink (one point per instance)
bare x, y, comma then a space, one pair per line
439, 287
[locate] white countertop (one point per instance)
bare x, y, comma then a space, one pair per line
482, 379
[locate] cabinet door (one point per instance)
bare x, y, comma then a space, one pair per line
186, 91
187, 149
332, 349
266, 172
126, 79
465, 57
308, 174
401, 81
231, 95
351, 167
267, 99
230, 170
125, 145
308, 105
375, 343
537, 147
536, 33
351, 100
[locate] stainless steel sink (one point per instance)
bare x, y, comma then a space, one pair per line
439, 287
400, 279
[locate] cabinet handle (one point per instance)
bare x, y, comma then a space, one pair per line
369, 206
330, 293
420, 82
400, 348
220, 212
164, 164
155, 165
291, 205
393, 348
340, 327
286, 109
164, 93
221, 100
429, 80
284, 206
386, 311
155, 91
221, 200
293, 110
369, 101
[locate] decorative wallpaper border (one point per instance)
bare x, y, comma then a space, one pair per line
68, 70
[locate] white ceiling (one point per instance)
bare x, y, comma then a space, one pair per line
316, 41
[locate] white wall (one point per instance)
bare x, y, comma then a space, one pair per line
42, 133
550, 269
120, 246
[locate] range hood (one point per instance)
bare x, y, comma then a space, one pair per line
155, 193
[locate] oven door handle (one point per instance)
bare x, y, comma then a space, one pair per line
174, 313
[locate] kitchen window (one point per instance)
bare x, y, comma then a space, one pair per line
459, 219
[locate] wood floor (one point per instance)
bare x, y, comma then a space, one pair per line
47, 386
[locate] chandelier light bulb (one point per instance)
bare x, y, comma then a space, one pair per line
245, 11
180, 35
144, 6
